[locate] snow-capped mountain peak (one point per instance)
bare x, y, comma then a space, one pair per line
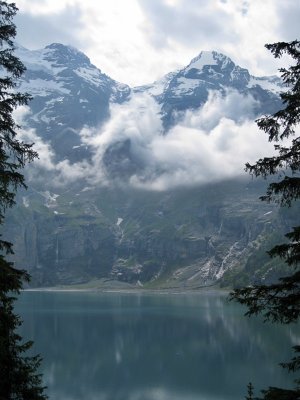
189, 87
69, 92
209, 58
204, 58
68, 56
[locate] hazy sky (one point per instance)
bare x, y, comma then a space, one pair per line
138, 41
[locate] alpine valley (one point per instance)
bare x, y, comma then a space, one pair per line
118, 198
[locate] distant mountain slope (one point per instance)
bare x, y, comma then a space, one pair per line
128, 225
68, 93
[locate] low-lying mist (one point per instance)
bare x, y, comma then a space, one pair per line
206, 145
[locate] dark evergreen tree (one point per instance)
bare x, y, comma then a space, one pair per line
19, 379
280, 302
250, 392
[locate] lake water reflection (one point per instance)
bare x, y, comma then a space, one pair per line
114, 346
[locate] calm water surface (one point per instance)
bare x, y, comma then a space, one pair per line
114, 346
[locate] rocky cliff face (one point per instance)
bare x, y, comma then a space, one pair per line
184, 238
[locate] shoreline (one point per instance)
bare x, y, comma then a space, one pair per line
160, 291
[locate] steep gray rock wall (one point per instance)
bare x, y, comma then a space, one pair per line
142, 238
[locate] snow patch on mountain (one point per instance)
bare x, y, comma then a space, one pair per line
158, 87
204, 58
25, 201
185, 86
36, 60
91, 75
272, 84
43, 88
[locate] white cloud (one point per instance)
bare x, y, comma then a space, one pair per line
233, 105
62, 172
43, 7
44, 150
209, 144
191, 156
138, 41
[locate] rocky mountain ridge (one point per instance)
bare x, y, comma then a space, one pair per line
211, 71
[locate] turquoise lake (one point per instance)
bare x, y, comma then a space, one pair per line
118, 346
